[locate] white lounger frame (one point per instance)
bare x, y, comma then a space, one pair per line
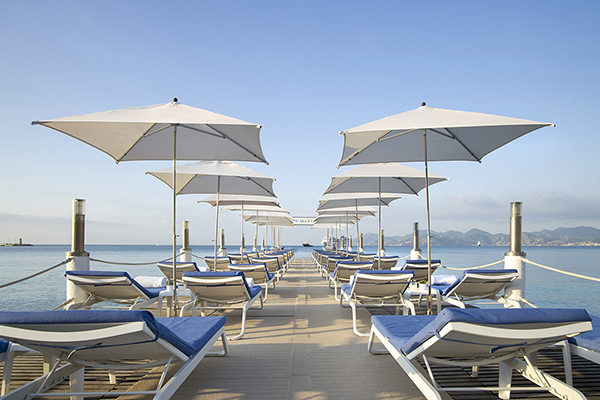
123, 292
143, 347
231, 297
460, 332
376, 301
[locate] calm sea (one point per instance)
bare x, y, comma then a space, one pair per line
544, 288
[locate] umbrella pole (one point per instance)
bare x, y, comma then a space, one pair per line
379, 231
428, 225
217, 223
256, 236
357, 232
174, 220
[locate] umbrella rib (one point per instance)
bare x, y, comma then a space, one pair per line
381, 138
407, 185
140, 138
336, 186
238, 144
260, 186
378, 139
453, 136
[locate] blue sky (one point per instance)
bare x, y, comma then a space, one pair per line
304, 71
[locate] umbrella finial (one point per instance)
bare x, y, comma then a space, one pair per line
175, 100
423, 104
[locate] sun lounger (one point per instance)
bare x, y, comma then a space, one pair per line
474, 337
181, 267
479, 284
221, 290
330, 264
385, 262
272, 264
112, 340
376, 288
222, 263
419, 268
344, 271
114, 287
239, 258
259, 273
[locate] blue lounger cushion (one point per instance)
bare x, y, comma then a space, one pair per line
187, 334
396, 327
253, 290
3, 345
149, 292
591, 339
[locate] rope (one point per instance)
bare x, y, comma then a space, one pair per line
132, 264
482, 266
561, 271
36, 274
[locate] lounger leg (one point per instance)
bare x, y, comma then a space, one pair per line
241, 335
8, 362
504, 380
354, 324
266, 290
556, 386
566, 351
225, 350
76, 382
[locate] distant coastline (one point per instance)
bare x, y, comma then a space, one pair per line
579, 236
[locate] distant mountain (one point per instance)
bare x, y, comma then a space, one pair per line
580, 236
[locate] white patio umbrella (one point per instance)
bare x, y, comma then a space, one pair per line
431, 134
243, 207
382, 177
170, 131
271, 219
216, 177
336, 200
354, 200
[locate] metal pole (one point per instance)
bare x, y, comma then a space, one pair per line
357, 230
186, 252
379, 230
80, 259
217, 224
174, 219
416, 250
428, 225
514, 258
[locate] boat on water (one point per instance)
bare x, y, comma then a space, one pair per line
307, 244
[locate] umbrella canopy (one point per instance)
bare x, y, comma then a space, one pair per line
240, 199
146, 133
452, 135
381, 177
431, 134
216, 177
360, 211
356, 200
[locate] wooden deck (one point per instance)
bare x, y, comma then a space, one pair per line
301, 346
